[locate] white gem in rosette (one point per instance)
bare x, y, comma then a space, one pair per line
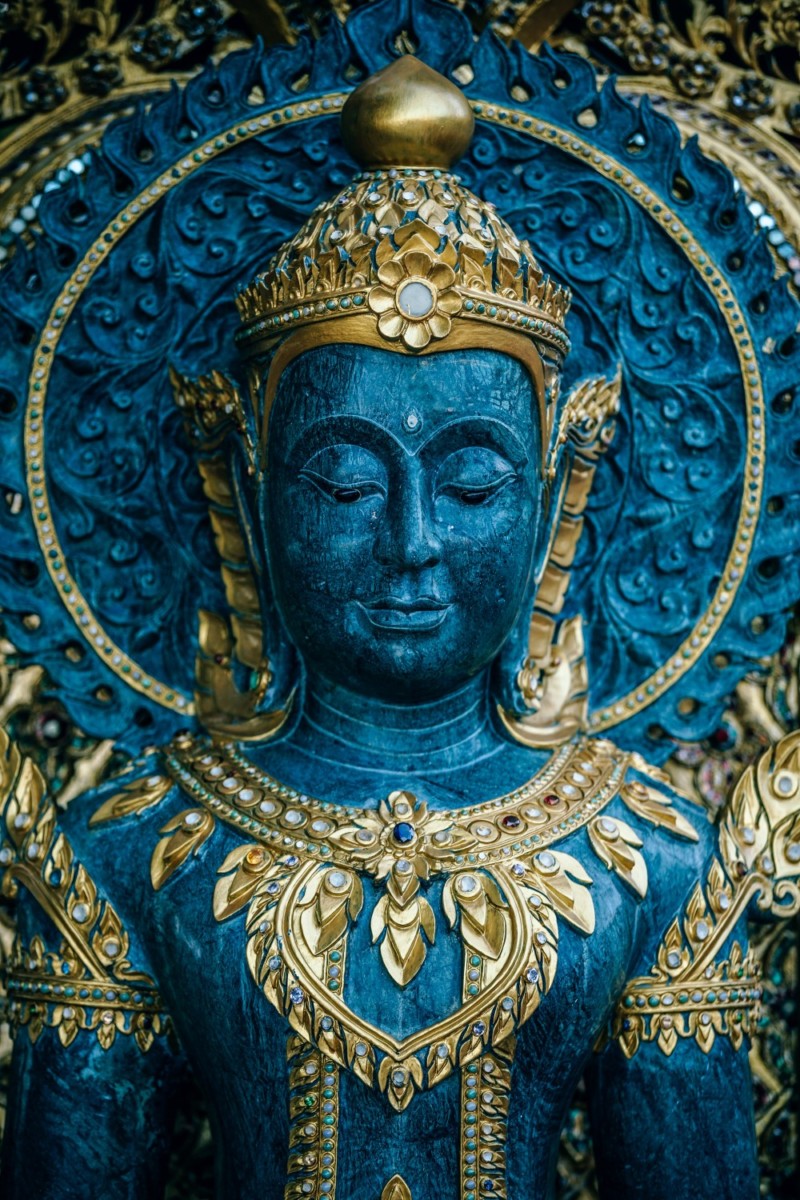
415, 299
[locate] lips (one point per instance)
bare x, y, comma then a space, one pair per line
418, 615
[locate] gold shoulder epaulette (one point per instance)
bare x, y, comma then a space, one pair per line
703, 984
88, 983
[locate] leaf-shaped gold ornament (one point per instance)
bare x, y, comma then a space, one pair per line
134, 797
331, 903
654, 806
400, 1078
617, 846
396, 1189
398, 921
484, 924
566, 885
185, 835
241, 873
110, 941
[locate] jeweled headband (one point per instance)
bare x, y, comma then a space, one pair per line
406, 258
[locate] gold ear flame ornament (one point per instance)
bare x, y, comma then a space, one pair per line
405, 258
554, 680
212, 408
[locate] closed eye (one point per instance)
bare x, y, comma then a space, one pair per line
475, 493
340, 491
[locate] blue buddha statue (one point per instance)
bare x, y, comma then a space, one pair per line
389, 922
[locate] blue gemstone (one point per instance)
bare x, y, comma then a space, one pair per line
403, 833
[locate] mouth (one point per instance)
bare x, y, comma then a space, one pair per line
419, 615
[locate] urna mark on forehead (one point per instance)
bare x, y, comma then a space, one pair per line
409, 398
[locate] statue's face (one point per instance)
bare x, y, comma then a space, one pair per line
402, 506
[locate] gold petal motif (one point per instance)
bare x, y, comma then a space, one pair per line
391, 273
442, 276
449, 302
391, 324
381, 299
186, 834
417, 262
417, 334
439, 324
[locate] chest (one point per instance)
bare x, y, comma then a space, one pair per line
484, 997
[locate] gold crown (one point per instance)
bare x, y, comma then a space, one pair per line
405, 250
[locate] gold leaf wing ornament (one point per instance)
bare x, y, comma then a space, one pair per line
477, 900
114, 997
553, 681
654, 805
759, 831
331, 903
566, 885
241, 873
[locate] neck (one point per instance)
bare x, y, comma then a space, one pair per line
451, 731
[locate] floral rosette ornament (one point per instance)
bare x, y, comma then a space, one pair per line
401, 831
415, 299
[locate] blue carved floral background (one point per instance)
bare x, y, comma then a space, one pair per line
131, 514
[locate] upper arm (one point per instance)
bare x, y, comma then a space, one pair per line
92, 1073
670, 1094
674, 1128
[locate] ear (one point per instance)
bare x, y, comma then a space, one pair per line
544, 685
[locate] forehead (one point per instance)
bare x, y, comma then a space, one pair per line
399, 392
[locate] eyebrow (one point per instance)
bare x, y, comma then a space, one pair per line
489, 431
343, 428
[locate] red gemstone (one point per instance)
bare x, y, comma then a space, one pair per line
510, 822
551, 801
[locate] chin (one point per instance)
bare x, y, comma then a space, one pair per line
407, 668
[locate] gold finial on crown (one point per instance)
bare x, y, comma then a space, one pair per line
407, 116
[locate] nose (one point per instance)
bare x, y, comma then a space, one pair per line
407, 540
